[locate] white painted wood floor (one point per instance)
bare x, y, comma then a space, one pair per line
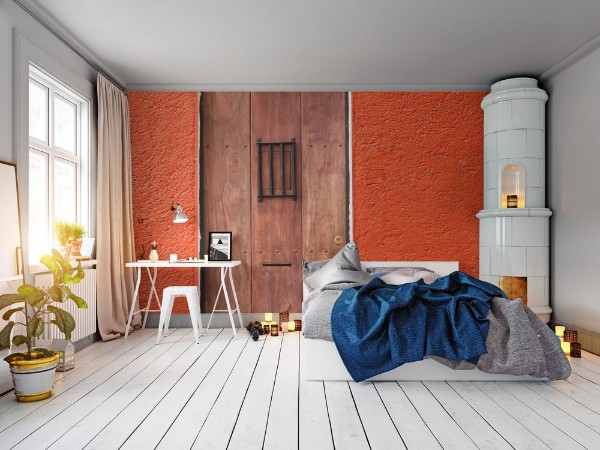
241, 394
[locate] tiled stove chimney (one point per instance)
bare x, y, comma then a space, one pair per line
514, 224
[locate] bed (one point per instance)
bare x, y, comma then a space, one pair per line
323, 362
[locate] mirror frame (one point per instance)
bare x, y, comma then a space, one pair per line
19, 263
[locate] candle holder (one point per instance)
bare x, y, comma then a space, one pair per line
575, 349
512, 201
298, 324
274, 329
566, 347
266, 327
570, 336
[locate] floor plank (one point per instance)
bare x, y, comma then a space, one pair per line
282, 424
218, 426
553, 414
157, 423
414, 431
378, 424
249, 431
444, 428
314, 429
510, 428
480, 431
543, 429
125, 422
346, 427
236, 393
68, 417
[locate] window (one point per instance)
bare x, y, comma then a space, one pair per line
58, 159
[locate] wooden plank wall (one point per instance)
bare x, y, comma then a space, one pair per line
225, 202
276, 230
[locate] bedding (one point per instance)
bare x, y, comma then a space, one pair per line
517, 343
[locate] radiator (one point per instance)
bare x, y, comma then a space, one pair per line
85, 319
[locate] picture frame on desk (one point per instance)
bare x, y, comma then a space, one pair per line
219, 246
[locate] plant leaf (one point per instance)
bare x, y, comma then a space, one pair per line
63, 320
35, 327
10, 299
55, 293
27, 289
66, 269
81, 303
5, 335
36, 300
19, 339
50, 263
80, 275
10, 312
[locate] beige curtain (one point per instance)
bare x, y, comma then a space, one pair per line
114, 236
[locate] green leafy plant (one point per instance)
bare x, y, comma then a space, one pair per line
62, 231
77, 231
40, 308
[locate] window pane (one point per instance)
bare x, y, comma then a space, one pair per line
65, 193
65, 124
38, 111
38, 205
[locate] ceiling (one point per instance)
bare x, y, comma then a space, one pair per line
323, 44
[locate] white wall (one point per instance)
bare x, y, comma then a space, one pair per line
574, 192
11, 17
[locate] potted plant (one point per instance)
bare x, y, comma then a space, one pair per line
77, 233
62, 233
33, 370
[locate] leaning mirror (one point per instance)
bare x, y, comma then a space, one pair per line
11, 252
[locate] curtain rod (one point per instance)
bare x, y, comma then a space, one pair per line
68, 44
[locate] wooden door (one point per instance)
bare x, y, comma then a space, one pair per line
226, 187
324, 174
272, 236
276, 222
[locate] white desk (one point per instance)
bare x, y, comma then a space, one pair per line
225, 266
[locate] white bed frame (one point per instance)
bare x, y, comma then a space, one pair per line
323, 362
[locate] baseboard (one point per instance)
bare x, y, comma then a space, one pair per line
220, 320
86, 341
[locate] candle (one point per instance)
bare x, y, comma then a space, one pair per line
566, 347
283, 327
559, 330
268, 317
291, 326
274, 329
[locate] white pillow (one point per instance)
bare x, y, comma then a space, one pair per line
400, 277
344, 267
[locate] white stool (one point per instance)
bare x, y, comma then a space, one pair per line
193, 300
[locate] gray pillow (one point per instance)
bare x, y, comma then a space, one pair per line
387, 269
343, 267
309, 267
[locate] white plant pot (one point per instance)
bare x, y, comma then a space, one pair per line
33, 380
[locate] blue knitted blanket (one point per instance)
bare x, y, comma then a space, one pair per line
378, 327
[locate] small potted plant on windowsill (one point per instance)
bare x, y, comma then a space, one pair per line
62, 233
33, 370
77, 233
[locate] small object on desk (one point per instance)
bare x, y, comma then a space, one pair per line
575, 349
298, 324
173, 257
559, 330
566, 347
153, 253
274, 329
266, 327
205, 257
570, 336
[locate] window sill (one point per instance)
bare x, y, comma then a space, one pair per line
40, 268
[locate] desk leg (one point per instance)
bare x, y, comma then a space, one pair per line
237, 305
223, 274
133, 299
152, 291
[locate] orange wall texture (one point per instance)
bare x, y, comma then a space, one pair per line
164, 140
417, 163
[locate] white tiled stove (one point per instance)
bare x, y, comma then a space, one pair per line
514, 242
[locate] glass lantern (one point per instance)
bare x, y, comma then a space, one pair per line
513, 186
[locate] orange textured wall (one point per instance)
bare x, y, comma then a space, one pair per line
164, 140
417, 165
